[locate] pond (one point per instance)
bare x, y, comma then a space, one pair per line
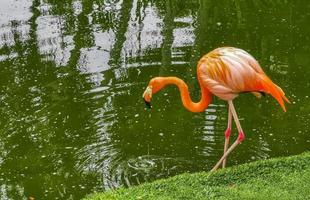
72, 120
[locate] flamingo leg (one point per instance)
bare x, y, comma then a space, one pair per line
227, 135
238, 140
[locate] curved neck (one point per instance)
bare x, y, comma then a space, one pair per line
186, 99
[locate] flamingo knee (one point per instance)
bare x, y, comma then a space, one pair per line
227, 133
241, 137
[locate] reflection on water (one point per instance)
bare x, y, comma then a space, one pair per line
72, 120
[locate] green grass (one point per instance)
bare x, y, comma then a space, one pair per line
280, 178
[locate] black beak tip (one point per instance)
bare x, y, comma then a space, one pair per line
147, 104
263, 93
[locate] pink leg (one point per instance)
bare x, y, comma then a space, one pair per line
227, 135
240, 138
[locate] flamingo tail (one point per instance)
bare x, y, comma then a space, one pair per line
275, 91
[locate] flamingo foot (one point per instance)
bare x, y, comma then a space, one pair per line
240, 138
225, 155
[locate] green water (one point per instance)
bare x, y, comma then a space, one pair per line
72, 120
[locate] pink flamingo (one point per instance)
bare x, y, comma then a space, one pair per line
224, 72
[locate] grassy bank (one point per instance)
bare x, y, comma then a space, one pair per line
280, 178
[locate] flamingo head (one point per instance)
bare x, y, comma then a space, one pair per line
154, 86
147, 96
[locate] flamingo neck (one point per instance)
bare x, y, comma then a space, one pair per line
185, 96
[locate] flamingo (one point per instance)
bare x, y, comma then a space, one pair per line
224, 72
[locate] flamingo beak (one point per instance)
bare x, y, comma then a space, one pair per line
147, 104
147, 95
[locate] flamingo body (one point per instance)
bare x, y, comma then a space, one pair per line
228, 71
